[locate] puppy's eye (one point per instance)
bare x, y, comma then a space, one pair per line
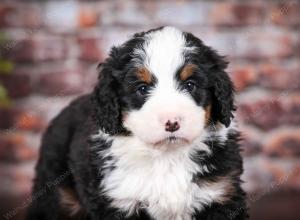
190, 86
143, 90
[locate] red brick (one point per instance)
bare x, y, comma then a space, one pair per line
44, 107
90, 76
90, 49
284, 174
297, 49
61, 16
284, 144
293, 109
20, 15
88, 16
13, 148
251, 143
37, 49
294, 177
16, 179
255, 176
130, 13
279, 76
7, 117
264, 175
237, 14
62, 82
115, 36
250, 147
286, 13
21, 50
18, 118
265, 114
25, 120
243, 76
190, 13
51, 48
17, 84
262, 46
251, 44
270, 112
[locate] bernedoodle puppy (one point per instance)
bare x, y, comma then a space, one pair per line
155, 140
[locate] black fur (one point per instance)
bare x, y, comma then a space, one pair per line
220, 85
69, 159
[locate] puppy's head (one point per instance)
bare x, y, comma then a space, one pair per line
163, 86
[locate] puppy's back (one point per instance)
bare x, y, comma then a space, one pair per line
53, 173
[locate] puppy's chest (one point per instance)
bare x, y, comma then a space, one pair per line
162, 185
166, 191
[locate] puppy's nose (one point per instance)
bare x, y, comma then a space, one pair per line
172, 126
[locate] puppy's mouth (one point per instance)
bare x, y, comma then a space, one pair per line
172, 141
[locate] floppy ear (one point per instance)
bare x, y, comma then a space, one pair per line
106, 96
221, 87
107, 108
223, 94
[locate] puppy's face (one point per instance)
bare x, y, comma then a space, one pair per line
169, 107
166, 93
164, 81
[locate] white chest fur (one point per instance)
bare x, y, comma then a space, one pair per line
162, 181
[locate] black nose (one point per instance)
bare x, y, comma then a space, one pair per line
172, 126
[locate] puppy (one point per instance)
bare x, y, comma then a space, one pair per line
155, 140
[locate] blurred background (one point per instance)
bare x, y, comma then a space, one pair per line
50, 50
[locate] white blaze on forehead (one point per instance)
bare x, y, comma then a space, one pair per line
163, 54
163, 51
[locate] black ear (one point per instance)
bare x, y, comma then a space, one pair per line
105, 98
223, 94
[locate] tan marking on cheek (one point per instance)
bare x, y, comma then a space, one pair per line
144, 75
187, 71
207, 115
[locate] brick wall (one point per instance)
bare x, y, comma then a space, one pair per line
49, 54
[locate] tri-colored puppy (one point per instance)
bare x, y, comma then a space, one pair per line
155, 139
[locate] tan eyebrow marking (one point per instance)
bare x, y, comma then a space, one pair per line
187, 71
144, 75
